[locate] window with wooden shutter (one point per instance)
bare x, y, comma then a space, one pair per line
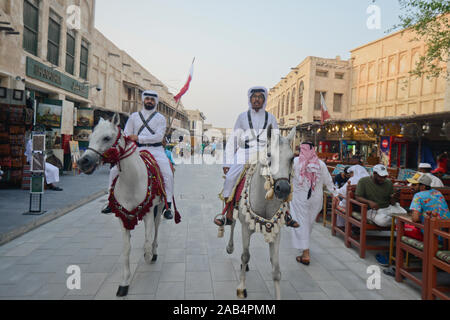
337, 103
84, 59
301, 88
31, 25
54, 35
70, 52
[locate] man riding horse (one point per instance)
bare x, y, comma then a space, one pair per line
148, 128
250, 128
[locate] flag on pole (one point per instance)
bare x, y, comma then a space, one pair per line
324, 110
188, 82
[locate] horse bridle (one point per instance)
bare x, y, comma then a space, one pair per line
116, 153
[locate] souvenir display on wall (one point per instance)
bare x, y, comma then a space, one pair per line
85, 118
13, 122
53, 139
81, 134
49, 115
39, 142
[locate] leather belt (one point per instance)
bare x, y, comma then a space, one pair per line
150, 145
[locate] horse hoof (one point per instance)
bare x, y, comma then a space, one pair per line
246, 269
122, 291
155, 257
242, 294
230, 250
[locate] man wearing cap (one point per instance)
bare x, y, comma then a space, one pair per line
427, 200
148, 128
249, 136
426, 168
378, 193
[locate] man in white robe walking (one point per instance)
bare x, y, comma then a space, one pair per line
310, 176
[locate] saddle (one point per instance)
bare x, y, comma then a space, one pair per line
233, 200
155, 188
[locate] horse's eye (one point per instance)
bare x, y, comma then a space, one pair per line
106, 139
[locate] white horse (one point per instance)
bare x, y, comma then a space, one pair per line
259, 210
130, 190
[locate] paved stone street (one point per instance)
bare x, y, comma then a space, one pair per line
76, 190
192, 262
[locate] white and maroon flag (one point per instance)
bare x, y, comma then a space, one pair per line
186, 86
324, 114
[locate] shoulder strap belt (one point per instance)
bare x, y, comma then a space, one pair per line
250, 123
146, 122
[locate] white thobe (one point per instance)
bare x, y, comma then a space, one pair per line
236, 156
304, 210
51, 172
158, 124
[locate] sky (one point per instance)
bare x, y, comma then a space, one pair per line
237, 43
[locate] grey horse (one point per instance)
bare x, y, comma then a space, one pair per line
131, 190
265, 204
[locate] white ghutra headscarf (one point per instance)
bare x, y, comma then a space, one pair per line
257, 89
150, 93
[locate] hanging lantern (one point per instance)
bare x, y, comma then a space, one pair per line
382, 131
402, 131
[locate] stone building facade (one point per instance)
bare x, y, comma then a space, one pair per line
296, 98
52, 49
41, 52
381, 85
374, 83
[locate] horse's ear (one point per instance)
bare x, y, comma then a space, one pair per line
291, 135
116, 119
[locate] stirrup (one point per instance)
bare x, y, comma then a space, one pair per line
220, 217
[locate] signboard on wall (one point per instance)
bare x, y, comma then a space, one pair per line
46, 74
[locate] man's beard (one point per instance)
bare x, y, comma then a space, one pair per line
257, 108
149, 107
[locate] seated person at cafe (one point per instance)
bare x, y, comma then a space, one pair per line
427, 200
426, 168
341, 179
378, 193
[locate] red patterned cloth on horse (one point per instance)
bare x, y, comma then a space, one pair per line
236, 197
155, 188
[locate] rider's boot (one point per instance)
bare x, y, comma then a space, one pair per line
167, 212
221, 220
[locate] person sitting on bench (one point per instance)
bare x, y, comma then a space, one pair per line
378, 193
427, 200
